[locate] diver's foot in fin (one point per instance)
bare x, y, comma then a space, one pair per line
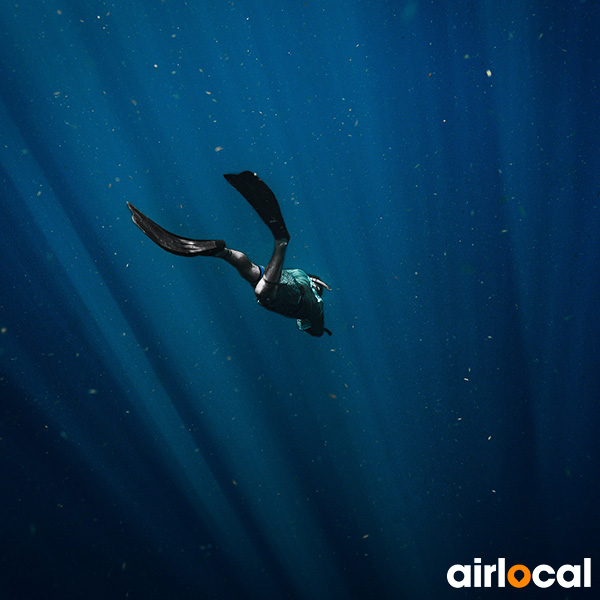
173, 243
262, 200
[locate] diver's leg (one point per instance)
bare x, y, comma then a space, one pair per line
266, 286
245, 267
264, 202
188, 247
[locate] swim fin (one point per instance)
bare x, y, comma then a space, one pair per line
173, 243
262, 200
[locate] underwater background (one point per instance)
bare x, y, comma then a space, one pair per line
437, 163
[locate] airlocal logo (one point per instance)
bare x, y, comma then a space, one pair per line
543, 576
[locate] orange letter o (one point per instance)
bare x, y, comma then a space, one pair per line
514, 581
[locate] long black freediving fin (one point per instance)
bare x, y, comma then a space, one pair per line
262, 200
173, 243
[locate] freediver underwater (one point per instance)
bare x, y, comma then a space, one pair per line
292, 293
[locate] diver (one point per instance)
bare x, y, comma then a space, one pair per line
292, 293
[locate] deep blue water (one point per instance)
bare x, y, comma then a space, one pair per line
163, 436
